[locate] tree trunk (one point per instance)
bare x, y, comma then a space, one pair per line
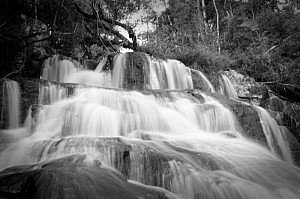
204, 17
203, 10
218, 32
200, 23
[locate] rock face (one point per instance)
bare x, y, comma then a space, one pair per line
246, 87
247, 117
197, 81
288, 114
129, 70
200, 83
135, 77
136, 70
75, 176
29, 94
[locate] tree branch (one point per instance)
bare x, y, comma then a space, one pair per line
105, 21
11, 73
55, 17
39, 40
103, 18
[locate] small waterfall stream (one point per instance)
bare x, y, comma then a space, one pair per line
11, 103
274, 135
227, 88
112, 142
207, 86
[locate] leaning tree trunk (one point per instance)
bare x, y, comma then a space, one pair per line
218, 32
203, 10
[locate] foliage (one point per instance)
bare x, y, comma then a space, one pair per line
61, 27
257, 38
10, 34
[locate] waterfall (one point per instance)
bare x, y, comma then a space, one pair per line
101, 65
174, 141
127, 72
155, 74
119, 64
64, 71
274, 135
207, 86
227, 88
169, 74
120, 143
11, 102
57, 70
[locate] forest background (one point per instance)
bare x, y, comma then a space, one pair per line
258, 38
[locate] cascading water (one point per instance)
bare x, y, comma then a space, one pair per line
207, 86
57, 70
226, 88
274, 135
157, 73
89, 144
152, 73
11, 103
169, 74
275, 138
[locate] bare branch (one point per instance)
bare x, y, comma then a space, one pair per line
55, 17
39, 40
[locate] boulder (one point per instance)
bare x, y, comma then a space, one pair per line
246, 87
135, 71
74, 176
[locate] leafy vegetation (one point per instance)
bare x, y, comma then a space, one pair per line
257, 38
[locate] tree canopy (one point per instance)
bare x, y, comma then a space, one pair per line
257, 38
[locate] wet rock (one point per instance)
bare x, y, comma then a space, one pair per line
134, 71
275, 103
75, 176
246, 87
198, 81
250, 124
288, 113
91, 64
29, 94
246, 116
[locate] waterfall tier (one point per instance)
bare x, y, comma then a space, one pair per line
95, 137
11, 104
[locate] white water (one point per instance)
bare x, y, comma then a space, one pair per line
158, 74
119, 64
178, 143
275, 137
174, 141
11, 102
206, 83
57, 70
100, 65
169, 74
276, 140
226, 88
